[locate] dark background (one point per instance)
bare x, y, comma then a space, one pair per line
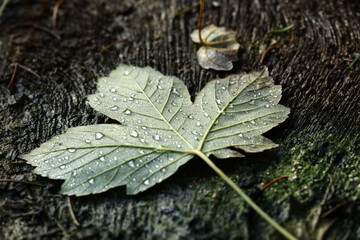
319, 143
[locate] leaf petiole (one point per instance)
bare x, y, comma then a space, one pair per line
246, 198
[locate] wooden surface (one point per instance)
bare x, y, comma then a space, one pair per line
311, 64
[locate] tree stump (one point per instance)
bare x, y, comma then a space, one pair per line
319, 143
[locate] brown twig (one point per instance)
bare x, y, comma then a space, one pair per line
12, 77
72, 214
112, 44
272, 182
186, 10
200, 21
55, 11
16, 65
37, 26
266, 52
330, 211
327, 228
21, 181
63, 229
18, 162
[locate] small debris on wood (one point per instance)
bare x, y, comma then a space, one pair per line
354, 62
72, 214
282, 29
273, 181
266, 52
55, 11
21, 181
16, 65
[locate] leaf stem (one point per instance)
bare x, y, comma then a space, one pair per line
246, 198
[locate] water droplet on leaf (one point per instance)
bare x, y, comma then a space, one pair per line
99, 135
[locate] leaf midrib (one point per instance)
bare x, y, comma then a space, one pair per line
173, 129
223, 109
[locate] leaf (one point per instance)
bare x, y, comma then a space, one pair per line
160, 130
221, 49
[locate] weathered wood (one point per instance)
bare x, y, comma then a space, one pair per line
311, 64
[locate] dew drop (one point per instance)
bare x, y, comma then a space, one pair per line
102, 159
143, 127
163, 170
146, 182
113, 90
223, 87
87, 141
101, 95
62, 167
47, 161
127, 112
99, 135
159, 87
115, 99
193, 132
240, 135
114, 108
115, 158
126, 73
156, 137
198, 124
91, 181
131, 99
190, 117
134, 133
267, 105
131, 164
66, 157
157, 166
206, 114
71, 150
142, 140
141, 151
96, 99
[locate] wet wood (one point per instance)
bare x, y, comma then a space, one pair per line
312, 64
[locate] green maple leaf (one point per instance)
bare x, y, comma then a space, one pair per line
160, 130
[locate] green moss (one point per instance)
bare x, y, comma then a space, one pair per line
323, 172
